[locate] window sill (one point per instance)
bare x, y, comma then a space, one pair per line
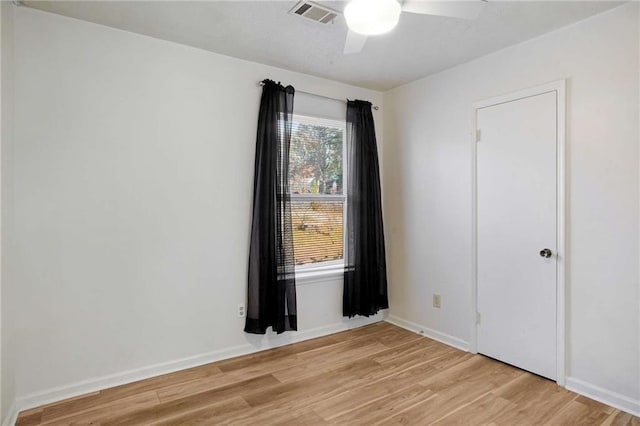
319, 275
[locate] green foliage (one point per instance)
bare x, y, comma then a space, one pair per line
315, 161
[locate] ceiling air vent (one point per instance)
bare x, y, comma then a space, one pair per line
314, 11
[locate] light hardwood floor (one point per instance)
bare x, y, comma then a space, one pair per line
379, 374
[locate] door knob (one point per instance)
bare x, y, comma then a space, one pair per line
545, 253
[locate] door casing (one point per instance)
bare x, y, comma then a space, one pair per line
559, 87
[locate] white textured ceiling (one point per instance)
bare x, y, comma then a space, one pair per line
264, 32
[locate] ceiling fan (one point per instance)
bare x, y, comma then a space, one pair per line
372, 17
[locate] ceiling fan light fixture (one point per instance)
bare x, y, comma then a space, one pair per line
372, 17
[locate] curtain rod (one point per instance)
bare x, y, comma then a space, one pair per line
376, 107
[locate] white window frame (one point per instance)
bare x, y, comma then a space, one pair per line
331, 268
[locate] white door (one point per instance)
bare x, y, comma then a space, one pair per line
517, 232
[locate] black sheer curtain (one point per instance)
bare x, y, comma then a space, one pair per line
272, 287
365, 275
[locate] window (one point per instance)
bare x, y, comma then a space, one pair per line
316, 182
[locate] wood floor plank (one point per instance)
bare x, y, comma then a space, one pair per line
204, 384
98, 414
271, 416
575, 413
359, 396
484, 373
378, 374
483, 410
286, 351
457, 386
97, 399
595, 405
620, 418
295, 398
537, 399
160, 382
75, 404
308, 389
30, 417
299, 418
312, 366
411, 368
383, 409
206, 415
192, 402
391, 375
412, 349
396, 337
294, 363
276, 354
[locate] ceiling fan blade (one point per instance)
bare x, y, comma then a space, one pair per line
452, 9
354, 42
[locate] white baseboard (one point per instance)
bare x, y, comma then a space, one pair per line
104, 382
605, 396
12, 416
432, 334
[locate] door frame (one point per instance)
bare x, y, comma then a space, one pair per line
559, 87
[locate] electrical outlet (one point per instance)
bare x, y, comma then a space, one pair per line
241, 310
437, 301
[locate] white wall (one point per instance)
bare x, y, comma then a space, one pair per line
428, 187
6, 138
133, 183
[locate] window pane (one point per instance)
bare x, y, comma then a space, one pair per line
315, 160
317, 231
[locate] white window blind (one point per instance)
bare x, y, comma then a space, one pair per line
316, 181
